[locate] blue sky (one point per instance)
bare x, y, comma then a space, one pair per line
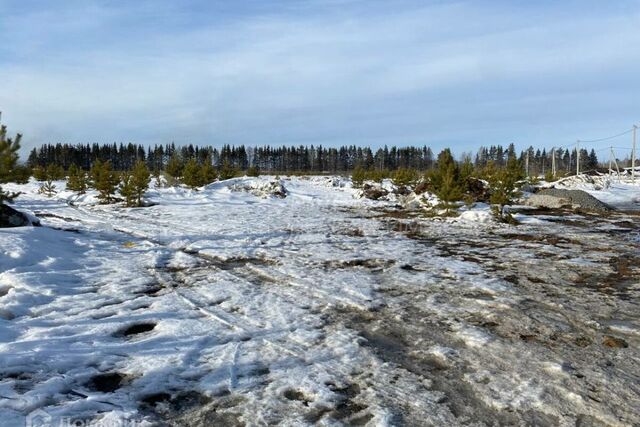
441, 73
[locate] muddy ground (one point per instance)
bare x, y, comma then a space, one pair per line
552, 340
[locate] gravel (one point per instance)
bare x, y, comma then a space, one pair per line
578, 198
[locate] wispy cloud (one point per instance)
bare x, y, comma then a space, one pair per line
328, 72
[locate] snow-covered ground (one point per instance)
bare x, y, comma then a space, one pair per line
231, 306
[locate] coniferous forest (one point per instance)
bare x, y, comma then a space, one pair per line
300, 159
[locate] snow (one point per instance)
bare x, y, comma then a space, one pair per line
255, 299
481, 215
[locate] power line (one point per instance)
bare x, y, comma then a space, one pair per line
608, 137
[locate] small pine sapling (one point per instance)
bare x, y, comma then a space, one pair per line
105, 181
445, 180
174, 167
191, 174
405, 177
358, 176
141, 178
47, 188
39, 173
208, 173
227, 171
504, 187
126, 188
77, 180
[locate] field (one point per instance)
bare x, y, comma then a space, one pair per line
233, 306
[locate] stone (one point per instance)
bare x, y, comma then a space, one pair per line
614, 342
10, 217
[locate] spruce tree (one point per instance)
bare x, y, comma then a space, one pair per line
105, 181
141, 178
8, 161
77, 179
191, 174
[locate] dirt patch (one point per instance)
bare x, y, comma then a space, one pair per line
151, 290
292, 394
136, 329
107, 383
195, 410
614, 342
372, 263
154, 399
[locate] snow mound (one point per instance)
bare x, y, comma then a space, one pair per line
259, 188
481, 216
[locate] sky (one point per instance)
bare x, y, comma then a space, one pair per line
456, 74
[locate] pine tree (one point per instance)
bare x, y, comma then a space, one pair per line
358, 176
127, 189
405, 177
253, 171
48, 188
8, 161
446, 180
504, 186
174, 167
227, 171
191, 174
55, 172
105, 181
466, 169
208, 173
141, 178
77, 179
21, 174
39, 173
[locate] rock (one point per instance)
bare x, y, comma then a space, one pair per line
555, 198
10, 217
549, 202
422, 187
614, 342
478, 189
402, 190
373, 192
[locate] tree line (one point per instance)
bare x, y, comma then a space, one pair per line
301, 159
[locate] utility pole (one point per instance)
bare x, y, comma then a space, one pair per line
577, 157
553, 161
526, 162
610, 159
633, 156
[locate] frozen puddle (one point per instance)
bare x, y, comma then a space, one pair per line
223, 307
